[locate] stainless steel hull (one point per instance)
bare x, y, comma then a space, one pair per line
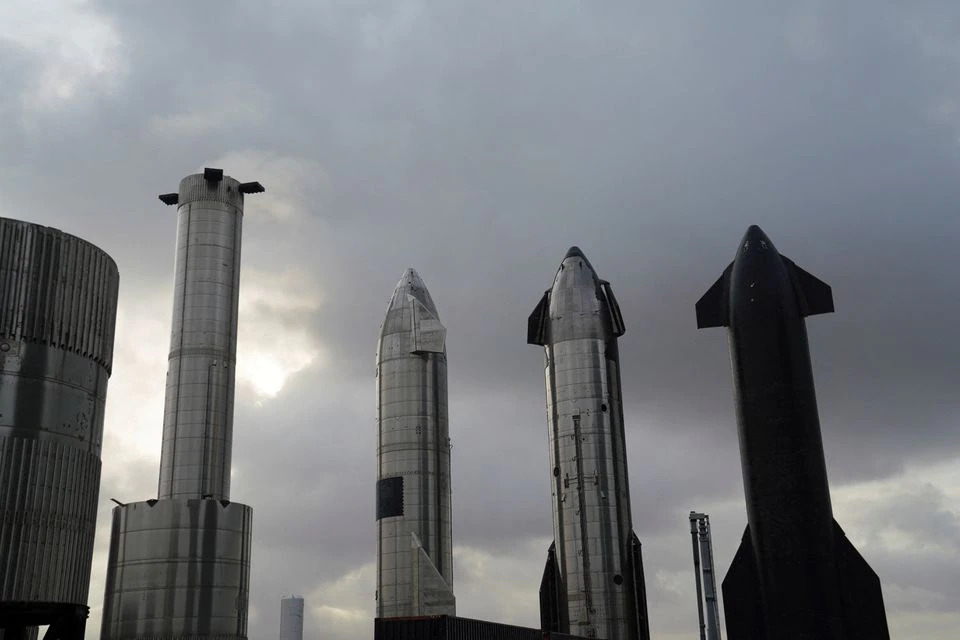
198, 409
179, 566
414, 532
595, 552
58, 302
179, 569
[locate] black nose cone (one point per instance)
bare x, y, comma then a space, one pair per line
755, 238
574, 252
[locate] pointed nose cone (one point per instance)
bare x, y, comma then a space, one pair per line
412, 284
577, 261
755, 238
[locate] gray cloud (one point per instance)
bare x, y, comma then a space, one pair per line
476, 142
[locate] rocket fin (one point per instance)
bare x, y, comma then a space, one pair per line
814, 295
713, 309
432, 596
863, 611
427, 334
553, 599
742, 603
639, 588
616, 318
537, 322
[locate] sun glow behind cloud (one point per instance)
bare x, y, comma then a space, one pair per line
275, 340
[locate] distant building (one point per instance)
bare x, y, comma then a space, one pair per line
291, 618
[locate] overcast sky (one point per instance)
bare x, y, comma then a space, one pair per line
475, 142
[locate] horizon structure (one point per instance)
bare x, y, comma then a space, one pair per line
58, 309
593, 584
179, 565
291, 618
414, 525
795, 575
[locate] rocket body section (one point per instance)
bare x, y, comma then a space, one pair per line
179, 566
198, 408
595, 553
795, 574
414, 526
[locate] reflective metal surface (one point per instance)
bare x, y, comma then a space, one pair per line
291, 619
198, 409
58, 303
178, 569
414, 535
578, 322
179, 566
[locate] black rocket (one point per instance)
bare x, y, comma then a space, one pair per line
795, 574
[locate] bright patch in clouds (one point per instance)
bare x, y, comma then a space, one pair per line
275, 340
75, 47
343, 607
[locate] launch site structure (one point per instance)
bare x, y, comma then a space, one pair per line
179, 565
291, 618
58, 306
414, 528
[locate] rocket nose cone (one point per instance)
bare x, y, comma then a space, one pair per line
755, 238
755, 234
574, 252
412, 284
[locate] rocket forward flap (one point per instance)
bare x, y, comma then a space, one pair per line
616, 318
742, 603
553, 600
426, 332
537, 322
863, 611
813, 294
432, 596
713, 309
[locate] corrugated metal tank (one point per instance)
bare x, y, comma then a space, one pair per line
58, 304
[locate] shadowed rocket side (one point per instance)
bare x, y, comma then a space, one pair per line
795, 575
593, 581
414, 532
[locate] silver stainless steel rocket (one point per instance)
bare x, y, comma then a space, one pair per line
593, 582
179, 566
414, 536
58, 304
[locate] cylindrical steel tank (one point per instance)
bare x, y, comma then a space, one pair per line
179, 566
178, 569
198, 409
58, 304
291, 618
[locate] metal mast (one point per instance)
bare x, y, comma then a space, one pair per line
703, 565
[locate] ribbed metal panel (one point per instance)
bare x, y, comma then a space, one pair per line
48, 493
195, 188
58, 290
58, 302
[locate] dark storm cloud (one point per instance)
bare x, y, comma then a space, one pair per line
476, 142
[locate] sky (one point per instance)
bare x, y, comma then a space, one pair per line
475, 142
